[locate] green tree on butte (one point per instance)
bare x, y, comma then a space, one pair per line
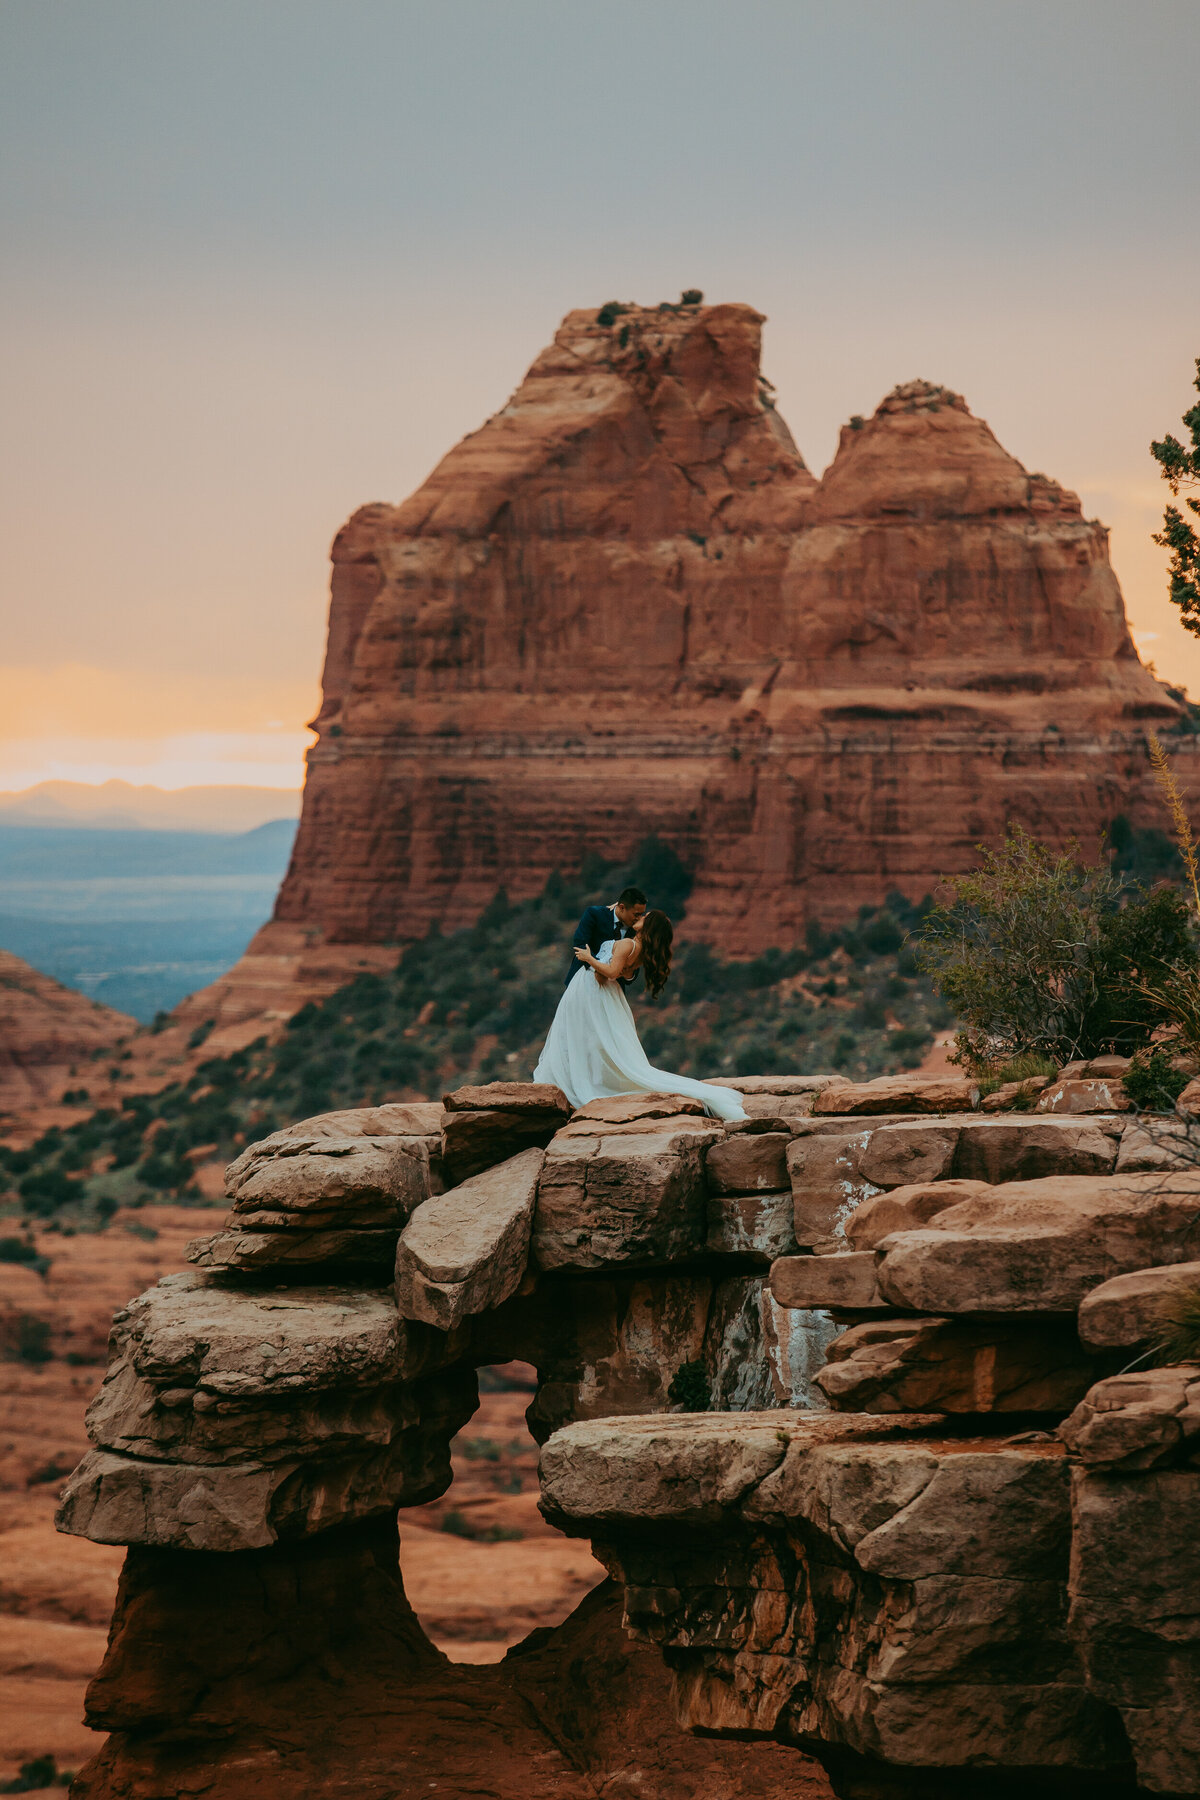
1180, 468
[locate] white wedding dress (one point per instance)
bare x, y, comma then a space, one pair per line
593, 1051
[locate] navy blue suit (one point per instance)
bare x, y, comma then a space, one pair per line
599, 925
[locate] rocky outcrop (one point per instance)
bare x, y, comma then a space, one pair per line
49, 1034
890, 1598
627, 581
863, 1540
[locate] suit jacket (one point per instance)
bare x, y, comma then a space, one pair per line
599, 925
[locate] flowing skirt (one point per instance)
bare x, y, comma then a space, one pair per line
593, 1052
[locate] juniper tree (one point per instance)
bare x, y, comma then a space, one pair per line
1180, 468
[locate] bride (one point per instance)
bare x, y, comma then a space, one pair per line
593, 1050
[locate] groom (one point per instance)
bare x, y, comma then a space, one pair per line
600, 924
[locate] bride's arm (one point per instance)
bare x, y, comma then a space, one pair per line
623, 955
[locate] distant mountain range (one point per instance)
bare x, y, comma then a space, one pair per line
133, 917
120, 806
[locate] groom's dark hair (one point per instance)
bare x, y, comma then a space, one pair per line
631, 897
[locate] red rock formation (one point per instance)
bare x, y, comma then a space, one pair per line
625, 606
47, 1032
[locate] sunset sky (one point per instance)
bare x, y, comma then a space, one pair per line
266, 260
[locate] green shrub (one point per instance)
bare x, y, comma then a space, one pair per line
690, 1387
25, 1252
1153, 1082
1038, 952
31, 1340
481, 1450
41, 1772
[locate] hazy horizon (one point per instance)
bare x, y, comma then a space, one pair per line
270, 260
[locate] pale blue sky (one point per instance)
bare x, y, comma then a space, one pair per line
265, 261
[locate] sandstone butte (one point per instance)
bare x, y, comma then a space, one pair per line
47, 1032
625, 606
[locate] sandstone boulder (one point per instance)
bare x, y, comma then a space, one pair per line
827, 1185
1125, 1311
465, 1251
934, 1566
901, 1093
755, 1227
1085, 1096
1137, 1420
1025, 1149
906, 1209
1189, 1099
323, 1180
748, 1163
487, 1125
1158, 1143
1098, 1068
955, 1366
1135, 1612
896, 1155
229, 1419
610, 1201
1037, 1246
846, 1282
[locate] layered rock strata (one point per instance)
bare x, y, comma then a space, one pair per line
896, 1567
625, 606
49, 1035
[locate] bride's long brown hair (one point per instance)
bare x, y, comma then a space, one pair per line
657, 934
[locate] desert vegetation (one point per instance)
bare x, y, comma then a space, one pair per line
475, 1005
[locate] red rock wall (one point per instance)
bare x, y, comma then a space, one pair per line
48, 1033
625, 605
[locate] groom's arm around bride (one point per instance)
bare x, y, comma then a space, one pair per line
600, 924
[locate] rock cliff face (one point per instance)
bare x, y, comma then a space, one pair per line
46, 1030
900, 1570
625, 606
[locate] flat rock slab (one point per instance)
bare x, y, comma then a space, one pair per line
294, 1250
510, 1097
465, 1251
622, 1109
780, 1084
590, 1128
632, 1200
956, 1366
1126, 1311
1140, 1420
398, 1118
1037, 1246
690, 1468
901, 1094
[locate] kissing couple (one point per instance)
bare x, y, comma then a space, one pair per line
593, 1051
